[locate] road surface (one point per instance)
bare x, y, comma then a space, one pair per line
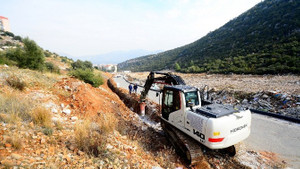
267, 133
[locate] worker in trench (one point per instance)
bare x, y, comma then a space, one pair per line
130, 88
135, 88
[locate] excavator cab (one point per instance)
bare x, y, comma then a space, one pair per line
176, 99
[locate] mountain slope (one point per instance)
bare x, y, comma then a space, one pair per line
264, 39
116, 56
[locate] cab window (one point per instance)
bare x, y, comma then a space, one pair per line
191, 97
168, 98
171, 102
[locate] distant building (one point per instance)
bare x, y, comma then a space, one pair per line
109, 67
4, 24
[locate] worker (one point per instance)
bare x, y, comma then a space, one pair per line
130, 88
135, 87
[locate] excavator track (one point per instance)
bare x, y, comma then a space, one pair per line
188, 148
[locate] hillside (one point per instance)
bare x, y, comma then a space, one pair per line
264, 39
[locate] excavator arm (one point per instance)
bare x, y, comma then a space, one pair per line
167, 79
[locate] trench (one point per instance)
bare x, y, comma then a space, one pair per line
152, 109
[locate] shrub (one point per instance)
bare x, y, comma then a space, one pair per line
65, 60
88, 139
47, 53
16, 82
31, 56
15, 141
41, 116
15, 108
52, 68
5, 60
48, 131
108, 122
18, 38
87, 76
9, 34
82, 65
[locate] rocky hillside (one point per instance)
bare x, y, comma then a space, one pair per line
53, 121
264, 39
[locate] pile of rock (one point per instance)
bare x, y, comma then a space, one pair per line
270, 101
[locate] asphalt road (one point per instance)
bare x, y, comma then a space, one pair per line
267, 133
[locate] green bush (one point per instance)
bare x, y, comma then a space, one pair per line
5, 60
87, 76
9, 34
18, 38
82, 65
31, 56
52, 68
47, 53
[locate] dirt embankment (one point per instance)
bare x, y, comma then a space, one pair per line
132, 101
86, 127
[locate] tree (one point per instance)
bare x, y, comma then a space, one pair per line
52, 68
33, 57
177, 67
30, 56
82, 65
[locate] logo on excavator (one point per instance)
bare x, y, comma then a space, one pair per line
200, 135
238, 128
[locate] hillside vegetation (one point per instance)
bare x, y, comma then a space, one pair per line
25, 53
264, 39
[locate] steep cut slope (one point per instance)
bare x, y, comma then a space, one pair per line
264, 39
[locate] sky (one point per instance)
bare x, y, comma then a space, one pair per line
81, 28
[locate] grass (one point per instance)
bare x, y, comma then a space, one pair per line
29, 78
15, 82
90, 136
59, 125
48, 131
15, 141
14, 109
88, 139
41, 116
107, 122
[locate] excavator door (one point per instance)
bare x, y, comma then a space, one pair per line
171, 106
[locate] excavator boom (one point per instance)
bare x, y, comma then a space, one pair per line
167, 78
